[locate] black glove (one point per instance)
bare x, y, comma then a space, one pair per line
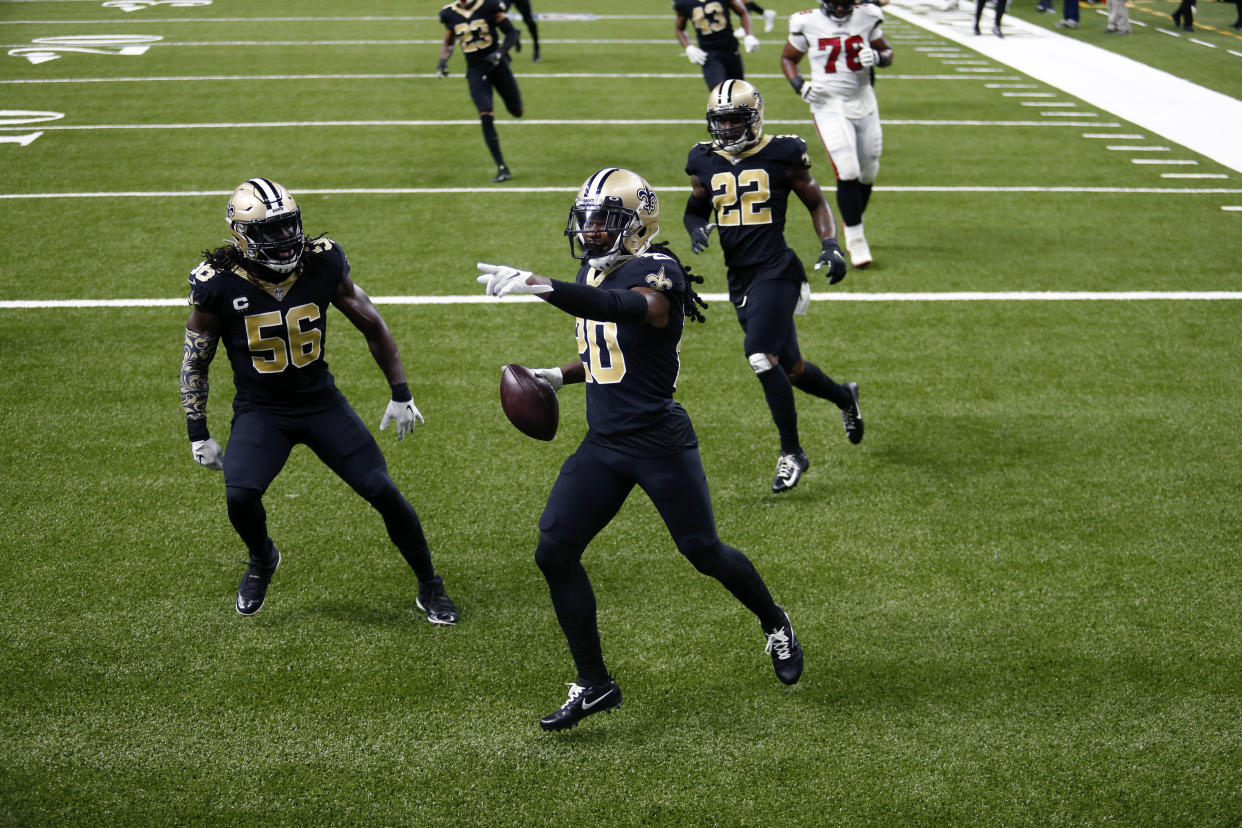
833, 258
442, 68
699, 236
493, 60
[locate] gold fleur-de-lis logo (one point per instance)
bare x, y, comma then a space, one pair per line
659, 281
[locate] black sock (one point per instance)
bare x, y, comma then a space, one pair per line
492, 139
249, 519
574, 603
850, 202
818, 384
779, 393
865, 189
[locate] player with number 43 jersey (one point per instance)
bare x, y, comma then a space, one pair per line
843, 42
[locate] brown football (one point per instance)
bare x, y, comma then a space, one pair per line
529, 402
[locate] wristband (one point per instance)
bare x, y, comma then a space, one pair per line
197, 430
401, 392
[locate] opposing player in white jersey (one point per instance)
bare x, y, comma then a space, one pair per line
843, 41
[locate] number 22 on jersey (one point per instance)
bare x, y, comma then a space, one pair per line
742, 198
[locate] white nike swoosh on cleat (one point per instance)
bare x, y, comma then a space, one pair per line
588, 705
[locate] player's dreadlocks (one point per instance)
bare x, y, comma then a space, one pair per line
689, 298
230, 257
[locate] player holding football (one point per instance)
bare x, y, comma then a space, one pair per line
745, 178
630, 300
474, 23
266, 296
717, 50
843, 41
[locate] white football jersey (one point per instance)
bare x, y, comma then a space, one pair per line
832, 47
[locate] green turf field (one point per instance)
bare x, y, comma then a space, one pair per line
1018, 596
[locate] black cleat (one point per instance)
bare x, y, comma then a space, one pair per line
852, 416
502, 174
785, 650
535, 57
433, 600
252, 590
583, 701
788, 469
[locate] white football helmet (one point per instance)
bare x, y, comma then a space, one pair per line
266, 224
616, 213
735, 115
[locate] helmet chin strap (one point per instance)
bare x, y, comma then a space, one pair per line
609, 260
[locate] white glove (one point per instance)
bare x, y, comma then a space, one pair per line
405, 414
208, 453
813, 92
501, 280
553, 375
696, 55
750, 42
868, 57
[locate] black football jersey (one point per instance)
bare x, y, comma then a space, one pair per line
275, 333
632, 367
711, 22
474, 27
750, 194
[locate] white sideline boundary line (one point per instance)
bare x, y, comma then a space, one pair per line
1197, 118
999, 296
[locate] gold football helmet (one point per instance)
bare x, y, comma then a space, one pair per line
735, 115
266, 224
616, 213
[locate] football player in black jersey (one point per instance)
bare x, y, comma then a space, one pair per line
746, 178
474, 24
266, 296
523, 7
717, 50
630, 300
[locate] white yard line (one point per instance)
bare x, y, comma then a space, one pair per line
506, 122
673, 188
952, 296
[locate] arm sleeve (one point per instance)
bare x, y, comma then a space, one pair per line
597, 304
199, 351
511, 34
697, 212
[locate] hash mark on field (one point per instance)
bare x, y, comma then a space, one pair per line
1130, 148
1113, 135
1162, 161
1193, 175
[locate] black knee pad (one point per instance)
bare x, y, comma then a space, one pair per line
553, 556
702, 554
242, 501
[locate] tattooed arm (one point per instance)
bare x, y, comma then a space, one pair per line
202, 335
